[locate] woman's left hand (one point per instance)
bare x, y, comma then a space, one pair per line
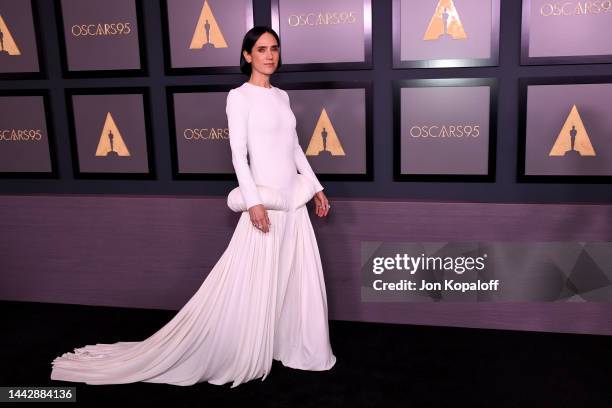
321, 204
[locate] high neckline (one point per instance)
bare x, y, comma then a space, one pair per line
260, 87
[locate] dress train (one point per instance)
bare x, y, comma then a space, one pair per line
264, 299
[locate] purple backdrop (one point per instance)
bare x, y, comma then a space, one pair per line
475, 16
445, 106
202, 135
304, 41
117, 48
154, 252
556, 31
19, 24
29, 152
548, 106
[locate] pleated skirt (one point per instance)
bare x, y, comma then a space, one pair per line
264, 299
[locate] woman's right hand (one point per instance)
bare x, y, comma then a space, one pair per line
259, 217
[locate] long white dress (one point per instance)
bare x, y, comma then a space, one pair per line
265, 297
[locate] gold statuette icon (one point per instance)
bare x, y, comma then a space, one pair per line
324, 140
8, 46
111, 142
207, 33
445, 22
573, 137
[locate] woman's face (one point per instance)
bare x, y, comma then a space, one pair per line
265, 54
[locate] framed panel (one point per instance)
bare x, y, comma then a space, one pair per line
445, 33
445, 129
343, 26
101, 38
199, 135
565, 128
110, 132
334, 126
568, 32
27, 146
20, 44
204, 36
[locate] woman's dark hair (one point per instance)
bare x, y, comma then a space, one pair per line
249, 40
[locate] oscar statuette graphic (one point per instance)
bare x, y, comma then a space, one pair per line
445, 23
7, 42
111, 142
324, 140
207, 34
573, 137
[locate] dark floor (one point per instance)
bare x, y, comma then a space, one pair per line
378, 364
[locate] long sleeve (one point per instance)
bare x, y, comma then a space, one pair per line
302, 164
237, 120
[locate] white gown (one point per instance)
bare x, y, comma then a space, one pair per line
265, 297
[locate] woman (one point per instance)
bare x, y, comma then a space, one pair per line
265, 297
